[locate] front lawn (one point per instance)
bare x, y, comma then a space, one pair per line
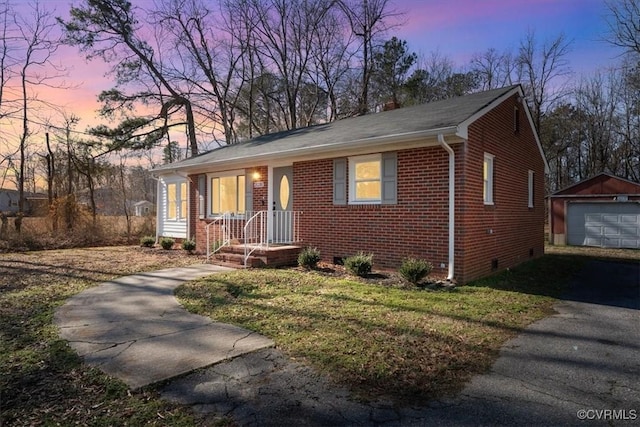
407, 345
42, 381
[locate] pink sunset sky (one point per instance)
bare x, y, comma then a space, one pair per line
455, 28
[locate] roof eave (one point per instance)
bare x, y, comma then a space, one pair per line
314, 152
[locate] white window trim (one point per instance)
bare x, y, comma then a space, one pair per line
488, 197
352, 179
224, 174
530, 186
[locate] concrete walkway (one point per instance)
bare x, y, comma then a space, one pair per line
134, 329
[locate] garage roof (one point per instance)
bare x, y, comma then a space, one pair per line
601, 184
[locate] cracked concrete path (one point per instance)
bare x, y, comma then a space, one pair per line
583, 358
134, 329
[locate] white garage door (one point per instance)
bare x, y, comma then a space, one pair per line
607, 225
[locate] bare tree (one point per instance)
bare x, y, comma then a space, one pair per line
38, 41
543, 67
4, 52
332, 57
210, 64
624, 24
285, 39
628, 130
494, 69
368, 19
597, 98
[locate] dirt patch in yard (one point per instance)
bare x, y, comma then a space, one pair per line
22, 270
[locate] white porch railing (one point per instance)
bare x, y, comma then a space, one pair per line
224, 230
252, 229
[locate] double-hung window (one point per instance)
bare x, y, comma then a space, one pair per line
365, 179
487, 179
372, 179
177, 201
227, 193
531, 188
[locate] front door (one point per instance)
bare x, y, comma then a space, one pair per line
282, 214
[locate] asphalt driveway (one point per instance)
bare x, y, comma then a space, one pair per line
577, 367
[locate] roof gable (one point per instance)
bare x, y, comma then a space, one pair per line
447, 117
601, 184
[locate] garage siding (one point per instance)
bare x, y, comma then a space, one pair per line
607, 225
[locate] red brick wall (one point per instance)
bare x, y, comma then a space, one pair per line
260, 194
416, 226
508, 230
196, 225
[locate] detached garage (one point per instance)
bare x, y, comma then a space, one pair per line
602, 211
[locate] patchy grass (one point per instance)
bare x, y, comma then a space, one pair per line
42, 381
407, 345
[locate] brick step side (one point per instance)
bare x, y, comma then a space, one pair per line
238, 259
275, 256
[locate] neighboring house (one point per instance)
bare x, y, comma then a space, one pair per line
143, 208
380, 183
34, 202
600, 211
9, 200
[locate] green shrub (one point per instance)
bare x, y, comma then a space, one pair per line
414, 270
147, 241
359, 264
189, 245
309, 258
167, 243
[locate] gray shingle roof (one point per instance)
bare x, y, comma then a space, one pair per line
444, 114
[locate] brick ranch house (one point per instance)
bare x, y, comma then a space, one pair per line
458, 182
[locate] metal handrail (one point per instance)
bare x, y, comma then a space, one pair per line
255, 228
217, 221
